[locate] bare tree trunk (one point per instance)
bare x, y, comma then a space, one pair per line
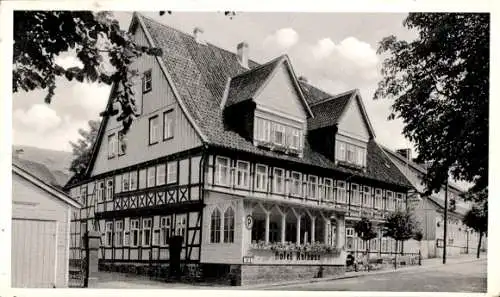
479, 244
368, 254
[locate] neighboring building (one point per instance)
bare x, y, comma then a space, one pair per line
40, 227
429, 211
235, 157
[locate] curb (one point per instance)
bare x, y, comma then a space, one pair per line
339, 277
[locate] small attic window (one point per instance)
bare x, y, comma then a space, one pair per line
277, 136
350, 153
147, 82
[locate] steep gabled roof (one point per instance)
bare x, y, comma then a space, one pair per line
36, 169
199, 75
327, 112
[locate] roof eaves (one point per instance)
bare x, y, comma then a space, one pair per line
331, 97
297, 86
226, 93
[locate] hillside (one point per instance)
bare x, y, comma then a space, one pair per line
57, 161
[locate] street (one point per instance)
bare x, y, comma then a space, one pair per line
453, 277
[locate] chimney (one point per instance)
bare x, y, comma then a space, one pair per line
406, 153
242, 51
198, 35
303, 78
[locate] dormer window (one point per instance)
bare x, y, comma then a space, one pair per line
277, 135
350, 153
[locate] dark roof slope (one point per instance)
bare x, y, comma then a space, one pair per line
37, 170
244, 86
327, 112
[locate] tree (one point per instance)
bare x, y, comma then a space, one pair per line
477, 219
82, 150
400, 226
364, 229
440, 86
106, 53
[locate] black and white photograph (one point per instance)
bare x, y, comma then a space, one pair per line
247, 150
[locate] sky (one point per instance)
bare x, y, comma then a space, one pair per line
334, 51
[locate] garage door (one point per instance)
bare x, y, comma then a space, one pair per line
33, 253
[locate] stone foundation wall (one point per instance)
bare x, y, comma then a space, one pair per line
253, 274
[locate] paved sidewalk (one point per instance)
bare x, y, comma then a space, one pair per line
426, 264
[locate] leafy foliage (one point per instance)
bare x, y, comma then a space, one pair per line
477, 217
106, 53
82, 150
364, 229
440, 84
400, 226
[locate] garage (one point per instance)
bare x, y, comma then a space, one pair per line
40, 230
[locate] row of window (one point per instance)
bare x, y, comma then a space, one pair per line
222, 226
144, 234
145, 178
350, 153
300, 185
277, 133
168, 127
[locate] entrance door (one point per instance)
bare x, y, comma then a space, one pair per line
33, 253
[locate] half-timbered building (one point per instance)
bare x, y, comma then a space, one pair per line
257, 170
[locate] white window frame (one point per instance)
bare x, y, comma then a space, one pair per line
109, 189
262, 129
168, 124
108, 237
261, 178
294, 138
134, 233
341, 151
351, 149
279, 128
111, 145
143, 178
296, 184
399, 201
147, 226
275, 180
389, 200
219, 179
328, 188
151, 177
341, 191
160, 174
228, 226
366, 196
119, 233
243, 173
165, 229
133, 180
312, 187
126, 182
172, 172
147, 81
153, 129
355, 200
215, 233
379, 201
119, 140
100, 191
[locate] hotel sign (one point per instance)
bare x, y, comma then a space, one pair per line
249, 222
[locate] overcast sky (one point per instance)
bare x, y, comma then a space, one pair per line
335, 51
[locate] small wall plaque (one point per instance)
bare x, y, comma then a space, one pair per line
249, 222
247, 259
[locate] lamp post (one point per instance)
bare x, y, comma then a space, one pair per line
445, 220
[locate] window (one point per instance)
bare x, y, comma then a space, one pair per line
366, 197
134, 232
378, 199
296, 184
151, 176
355, 194
349, 233
100, 191
278, 134
84, 195
341, 192
293, 138
165, 230
279, 181
125, 182
171, 172
242, 174
180, 228
168, 124
108, 236
142, 178
118, 233
153, 130
160, 174
133, 181
229, 225
222, 171
109, 189
146, 231
121, 144
328, 185
340, 151
350, 153
262, 130
111, 146
215, 226
312, 187
147, 82
400, 201
389, 200
261, 177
